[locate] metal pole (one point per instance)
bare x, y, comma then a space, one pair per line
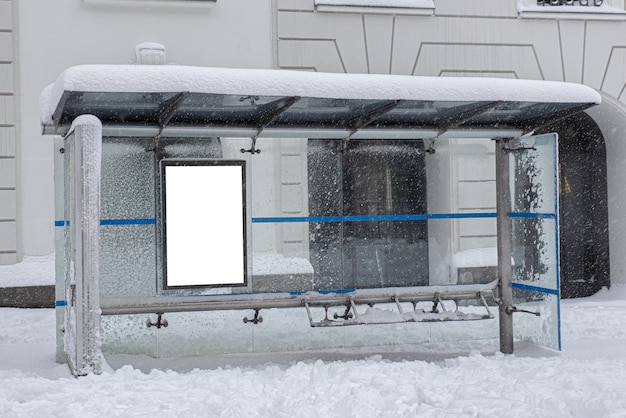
505, 272
87, 154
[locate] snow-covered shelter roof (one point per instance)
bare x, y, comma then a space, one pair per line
200, 102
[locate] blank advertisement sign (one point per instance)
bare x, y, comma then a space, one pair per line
204, 223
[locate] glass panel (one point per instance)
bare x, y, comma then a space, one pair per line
129, 335
325, 208
323, 215
512, 113
252, 111
462, 211
115, 107
360, 215
280, 217
384, 207
282, 330
535, 252
542, 329
370, 217
127, 233
69, 277
338, 219
535, 248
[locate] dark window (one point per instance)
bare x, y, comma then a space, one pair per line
374, 186
583, 208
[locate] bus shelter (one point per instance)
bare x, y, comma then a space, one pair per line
206, 211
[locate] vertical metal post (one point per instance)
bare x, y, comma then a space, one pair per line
505, 272
86, 195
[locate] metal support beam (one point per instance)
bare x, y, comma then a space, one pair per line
169, 108
270, 111
370, 114
165, 304
460, 117
505, 272
268, 114
82, 314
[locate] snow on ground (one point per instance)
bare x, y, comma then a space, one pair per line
32, 271
588, 379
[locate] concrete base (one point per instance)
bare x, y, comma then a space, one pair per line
27, 297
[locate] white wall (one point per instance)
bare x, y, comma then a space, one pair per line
54, 35
462, 38
611, 117
10, 250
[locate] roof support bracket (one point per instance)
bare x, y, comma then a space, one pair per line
457, 119
370, 114
169, 108
267, 114
166, 111
451, 122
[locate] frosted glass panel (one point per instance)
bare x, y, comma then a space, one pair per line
127, 212
543, 329
69, 252
535, 238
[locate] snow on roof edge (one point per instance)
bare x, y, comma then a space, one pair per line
267, 82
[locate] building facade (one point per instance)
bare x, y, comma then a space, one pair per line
511, 39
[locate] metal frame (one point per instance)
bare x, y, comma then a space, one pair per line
85, 196
163, 304
505, 271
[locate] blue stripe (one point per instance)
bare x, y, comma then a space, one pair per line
527, 215
535, 288
370, 218
354, 218
60, 303
318, 219
106, 222
462, 215
373, 218
146, 221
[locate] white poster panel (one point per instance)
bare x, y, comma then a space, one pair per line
204, 223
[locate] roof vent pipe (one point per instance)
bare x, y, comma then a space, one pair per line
150, 53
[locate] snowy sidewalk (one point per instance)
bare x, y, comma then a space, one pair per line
29, 284
588, 379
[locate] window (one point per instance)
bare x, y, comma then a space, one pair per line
152, 3
412, 7
572, 9
596, 3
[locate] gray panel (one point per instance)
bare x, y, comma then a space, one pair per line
7, 142
127, 250
128, 260
127, 179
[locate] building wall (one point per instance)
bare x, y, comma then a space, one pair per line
56, 35
460, 38
489, 39
9, 242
